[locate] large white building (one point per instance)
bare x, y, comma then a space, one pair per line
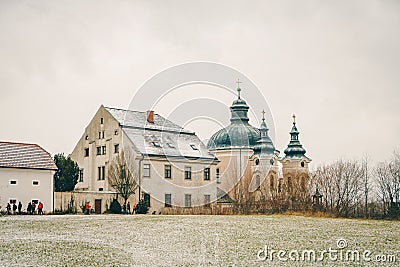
175, 167
26, 175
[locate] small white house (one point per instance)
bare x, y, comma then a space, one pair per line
26, 175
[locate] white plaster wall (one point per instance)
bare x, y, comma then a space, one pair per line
24, 190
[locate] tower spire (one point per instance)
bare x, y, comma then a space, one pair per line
294, 148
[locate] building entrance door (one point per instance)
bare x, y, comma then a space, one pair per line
97, 206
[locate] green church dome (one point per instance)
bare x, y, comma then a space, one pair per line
239, 133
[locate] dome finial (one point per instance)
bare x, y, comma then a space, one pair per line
238, 87
263, 113
294, 119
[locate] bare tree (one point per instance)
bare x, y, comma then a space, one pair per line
123, 175
366, 183
388, 185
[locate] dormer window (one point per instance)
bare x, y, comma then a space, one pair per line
156, 144
194, 147
170, 145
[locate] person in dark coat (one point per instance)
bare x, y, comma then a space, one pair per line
14, 208
19, 207
33, 207
128, 206
29, 208
8, 209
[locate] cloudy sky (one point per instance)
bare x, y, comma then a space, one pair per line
336, 64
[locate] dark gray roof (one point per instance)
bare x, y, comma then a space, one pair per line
28, 156
161, 138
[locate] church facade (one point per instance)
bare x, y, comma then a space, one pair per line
250, 166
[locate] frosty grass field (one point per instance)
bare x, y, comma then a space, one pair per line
113, 240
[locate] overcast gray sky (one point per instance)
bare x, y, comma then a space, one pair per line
336, 64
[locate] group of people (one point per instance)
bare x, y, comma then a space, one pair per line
126, 209
30, 209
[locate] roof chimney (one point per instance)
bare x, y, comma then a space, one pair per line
150, 116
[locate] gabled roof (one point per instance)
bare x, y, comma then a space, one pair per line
27, 156
138, 119
163, 138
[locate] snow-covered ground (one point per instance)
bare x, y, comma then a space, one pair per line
160, 240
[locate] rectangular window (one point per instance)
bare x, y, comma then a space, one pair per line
87, 152
217, 176
188, 172
101, 120
35, 182
206, 173
167, 171
101, 135
98, 173
98, 150
116, 148
14, 182
101, 189
103, 150
188, 200
36, 201
146, 170
13, 201
207, 200
81, 175
101, 172
168, 200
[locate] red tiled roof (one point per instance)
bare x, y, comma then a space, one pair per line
29, 156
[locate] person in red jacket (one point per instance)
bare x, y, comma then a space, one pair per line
87, 207
40, 208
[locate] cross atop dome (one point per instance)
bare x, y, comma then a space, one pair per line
238, 87
263, 113
294, 118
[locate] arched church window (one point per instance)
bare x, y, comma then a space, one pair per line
271, 161
302, 164
257, 161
